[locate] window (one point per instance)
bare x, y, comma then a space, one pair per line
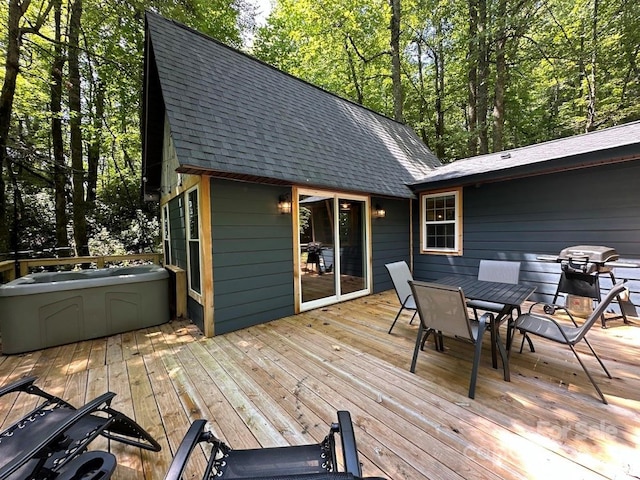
193, 240
166, 235
441, 225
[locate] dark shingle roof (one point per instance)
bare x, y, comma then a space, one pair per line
618, 143
231, 113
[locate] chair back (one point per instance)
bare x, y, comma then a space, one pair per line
400, 276
598, 311
499, 271
443, 308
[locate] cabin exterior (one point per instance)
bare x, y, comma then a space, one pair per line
235, 150
520, 204
278, 197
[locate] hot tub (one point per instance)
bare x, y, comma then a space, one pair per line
47, 309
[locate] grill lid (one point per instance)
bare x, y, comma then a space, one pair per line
589, 253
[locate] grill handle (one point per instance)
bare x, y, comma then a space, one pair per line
578, 263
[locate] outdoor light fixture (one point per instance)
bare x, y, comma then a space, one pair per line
284, 204
378, 212
345, 206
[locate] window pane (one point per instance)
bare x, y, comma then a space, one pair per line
440, 222
194, 266
193, 215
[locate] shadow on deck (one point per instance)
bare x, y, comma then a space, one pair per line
281, 384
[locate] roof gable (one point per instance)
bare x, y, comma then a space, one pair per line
232, 114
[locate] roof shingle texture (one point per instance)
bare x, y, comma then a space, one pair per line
229, 112
502, 162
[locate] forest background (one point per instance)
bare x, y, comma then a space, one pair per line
470, 76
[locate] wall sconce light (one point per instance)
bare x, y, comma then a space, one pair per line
378, 212
284, 204
345, 206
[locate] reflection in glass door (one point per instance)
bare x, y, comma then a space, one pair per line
333, 240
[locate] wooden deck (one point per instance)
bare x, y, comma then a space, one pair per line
281, 383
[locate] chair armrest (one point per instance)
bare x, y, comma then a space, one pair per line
349, 448
193, 436
547, 319
18, 386
555, 307
40, 443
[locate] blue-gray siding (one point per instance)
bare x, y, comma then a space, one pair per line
521, 219
252, 255
178, 234
389, 239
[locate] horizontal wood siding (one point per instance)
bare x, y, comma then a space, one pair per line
390, 239
521, 219
252, 255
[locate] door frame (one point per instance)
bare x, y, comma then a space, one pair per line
366, 245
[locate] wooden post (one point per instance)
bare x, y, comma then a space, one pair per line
180, 291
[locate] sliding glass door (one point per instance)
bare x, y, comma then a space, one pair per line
333, 241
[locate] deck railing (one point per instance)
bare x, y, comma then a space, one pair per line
7, 268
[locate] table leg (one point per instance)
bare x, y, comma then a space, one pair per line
494, 342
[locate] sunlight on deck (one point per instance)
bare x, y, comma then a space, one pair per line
281, 383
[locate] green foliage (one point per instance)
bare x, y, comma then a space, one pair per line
549, 48
558, 54
111, 58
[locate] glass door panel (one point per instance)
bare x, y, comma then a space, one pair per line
353, 266
316, 230
333, 239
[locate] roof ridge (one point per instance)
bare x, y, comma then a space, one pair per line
262, 62
548, 142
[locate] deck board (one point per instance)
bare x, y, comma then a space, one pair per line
281, 383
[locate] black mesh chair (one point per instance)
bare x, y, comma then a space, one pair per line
303, 462
568, 334
50, 442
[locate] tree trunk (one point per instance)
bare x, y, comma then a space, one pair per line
59, 169
394, 26
12, 65
472, 80
483, 77
591, 106
93, 153
75, 128
353, 73
439, 86
501, 78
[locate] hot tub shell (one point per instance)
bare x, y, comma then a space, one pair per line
43, 310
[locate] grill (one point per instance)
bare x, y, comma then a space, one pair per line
588, 259
581, 267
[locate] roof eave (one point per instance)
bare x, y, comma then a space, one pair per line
620, 154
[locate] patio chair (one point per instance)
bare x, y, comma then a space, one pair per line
400, 276
301, 462
503, 272
50, 441
443, 311
547, 327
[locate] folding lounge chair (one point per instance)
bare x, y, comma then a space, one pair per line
51, 440
570, 335
302, 462
400, 276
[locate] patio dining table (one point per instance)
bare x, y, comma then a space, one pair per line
509, 295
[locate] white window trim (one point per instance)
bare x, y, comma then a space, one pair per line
457, 249
193, 293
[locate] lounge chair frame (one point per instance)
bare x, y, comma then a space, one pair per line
52, 435
302, 462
